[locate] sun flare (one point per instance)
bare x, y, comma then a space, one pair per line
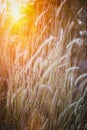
15, 9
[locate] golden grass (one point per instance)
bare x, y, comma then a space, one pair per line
39, 71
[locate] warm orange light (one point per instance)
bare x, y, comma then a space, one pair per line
22, 16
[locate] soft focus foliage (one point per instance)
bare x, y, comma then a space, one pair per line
43, 65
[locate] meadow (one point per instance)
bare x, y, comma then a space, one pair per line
43, 65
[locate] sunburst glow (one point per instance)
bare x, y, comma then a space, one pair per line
16, 11
15, 8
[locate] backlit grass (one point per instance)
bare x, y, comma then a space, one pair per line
43, 66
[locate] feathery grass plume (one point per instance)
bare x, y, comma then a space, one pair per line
38, 51
79, 78
39, 17
39, 60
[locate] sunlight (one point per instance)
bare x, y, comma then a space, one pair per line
21, 15
16, 11
18, 8
15, 8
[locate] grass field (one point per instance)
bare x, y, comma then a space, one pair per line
43, 65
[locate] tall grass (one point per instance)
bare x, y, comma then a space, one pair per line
43, 83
